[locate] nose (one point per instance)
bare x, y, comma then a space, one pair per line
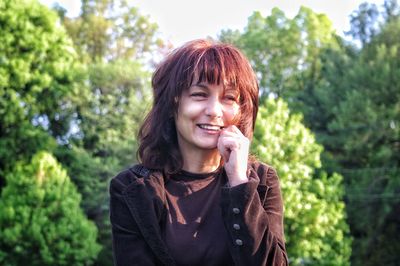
214, 108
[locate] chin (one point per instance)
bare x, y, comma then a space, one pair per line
210, 148
207, 145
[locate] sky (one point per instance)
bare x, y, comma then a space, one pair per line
180, 21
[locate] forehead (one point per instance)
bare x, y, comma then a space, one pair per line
209, 86
219, 80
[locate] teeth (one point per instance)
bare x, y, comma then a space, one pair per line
210, 127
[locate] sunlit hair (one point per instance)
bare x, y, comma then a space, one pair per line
206, 61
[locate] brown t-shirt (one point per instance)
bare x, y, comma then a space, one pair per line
194, 231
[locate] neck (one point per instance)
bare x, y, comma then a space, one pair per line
206, 161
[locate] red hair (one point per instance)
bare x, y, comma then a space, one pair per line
205, 61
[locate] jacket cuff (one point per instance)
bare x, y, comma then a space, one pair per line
238, 196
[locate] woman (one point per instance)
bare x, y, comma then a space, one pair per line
197, 198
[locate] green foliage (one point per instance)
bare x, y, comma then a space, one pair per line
363, 22
284, 52
108, 113
37, 71
41, 222
112, 38
365, 125
111, 108
107, 30
373, 204
315, 227
91, 176
369, 112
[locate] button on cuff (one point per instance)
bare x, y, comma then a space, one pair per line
239, 242
236, 226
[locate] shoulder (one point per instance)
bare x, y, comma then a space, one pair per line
122, 180
264, 172
130, 175
135, 175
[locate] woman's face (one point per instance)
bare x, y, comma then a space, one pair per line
204, 109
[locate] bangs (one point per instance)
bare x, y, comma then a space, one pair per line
218, 65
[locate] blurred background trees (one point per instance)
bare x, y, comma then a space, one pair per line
315, 228
84, 106
78, 89
41, 220
38, 71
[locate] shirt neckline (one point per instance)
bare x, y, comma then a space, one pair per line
190, 176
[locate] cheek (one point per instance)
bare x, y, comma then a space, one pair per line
188, 111
191, 112
233, 115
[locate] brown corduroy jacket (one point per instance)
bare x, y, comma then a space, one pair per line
137, 209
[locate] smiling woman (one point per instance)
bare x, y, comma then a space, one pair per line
196, 187
190, 75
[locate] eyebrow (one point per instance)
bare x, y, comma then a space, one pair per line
201, 85
226, 89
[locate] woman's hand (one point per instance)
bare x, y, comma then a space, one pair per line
234, 148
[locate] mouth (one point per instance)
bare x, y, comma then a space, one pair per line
215, 128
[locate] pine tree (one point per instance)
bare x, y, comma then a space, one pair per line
41, 222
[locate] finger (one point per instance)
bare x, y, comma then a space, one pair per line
232, 151
238, 137
234, 129
233, 134
229, 143
227, 134
223, 150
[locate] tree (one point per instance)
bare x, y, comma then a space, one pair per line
112, 39
352, 109
41, 222
391, 10
365, 126
271, 45
107, 30
38, 69
109, 117
285, 52
363, 22
108, 112
315, 227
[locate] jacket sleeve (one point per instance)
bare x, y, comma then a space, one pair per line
253, 215
129, 247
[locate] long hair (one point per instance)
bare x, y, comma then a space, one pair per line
206, 61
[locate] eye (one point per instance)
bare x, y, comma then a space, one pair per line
198, 95
231, 98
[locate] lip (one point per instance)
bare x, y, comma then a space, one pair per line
210, 125
210, 128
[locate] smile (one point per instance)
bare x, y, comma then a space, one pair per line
210, 127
